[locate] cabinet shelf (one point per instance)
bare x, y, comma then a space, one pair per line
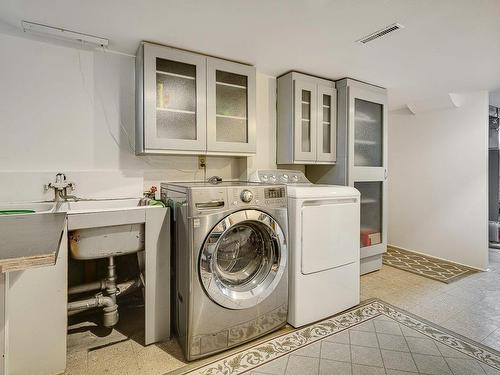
231, 117
175, 110
231, 85
175, 75
369, 201
365, 142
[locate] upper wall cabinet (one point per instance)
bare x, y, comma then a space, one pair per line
189, 103
230, 106
307, 119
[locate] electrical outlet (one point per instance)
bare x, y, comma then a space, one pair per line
202, 162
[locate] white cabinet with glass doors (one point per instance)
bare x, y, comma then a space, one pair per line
306, 120
189, 103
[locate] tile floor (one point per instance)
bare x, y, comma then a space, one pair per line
470, 307
378, 346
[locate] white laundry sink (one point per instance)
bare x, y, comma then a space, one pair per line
26, 208
104, 228
100, 205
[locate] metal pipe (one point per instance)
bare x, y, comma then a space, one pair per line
128, 287
110, 308
96, 285
89, 303
108, 302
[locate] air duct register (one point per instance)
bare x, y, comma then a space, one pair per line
380, 33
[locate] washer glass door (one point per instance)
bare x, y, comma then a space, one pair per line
243, 259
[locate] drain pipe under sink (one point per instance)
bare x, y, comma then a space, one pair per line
107, 300
110, 317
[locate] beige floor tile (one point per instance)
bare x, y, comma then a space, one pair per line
115, 359
493, 340
76, 363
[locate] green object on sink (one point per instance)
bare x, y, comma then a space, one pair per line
16, 212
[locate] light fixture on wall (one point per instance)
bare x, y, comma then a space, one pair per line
64, 34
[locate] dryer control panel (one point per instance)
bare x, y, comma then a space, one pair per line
279, 176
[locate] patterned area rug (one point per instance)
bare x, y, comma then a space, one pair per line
373, 338
432, 268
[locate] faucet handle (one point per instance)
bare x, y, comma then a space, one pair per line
59, 183
60, 177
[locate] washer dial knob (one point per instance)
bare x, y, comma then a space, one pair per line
246, 196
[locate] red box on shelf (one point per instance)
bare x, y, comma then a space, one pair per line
369, 238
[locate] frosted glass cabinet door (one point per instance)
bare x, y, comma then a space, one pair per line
327, 124
305, 121
368, 133
230, 107
371, 212
174, 99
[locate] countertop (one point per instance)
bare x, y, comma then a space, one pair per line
30, 240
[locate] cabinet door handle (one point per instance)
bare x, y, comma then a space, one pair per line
385, 174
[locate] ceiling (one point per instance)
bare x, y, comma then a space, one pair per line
446, 45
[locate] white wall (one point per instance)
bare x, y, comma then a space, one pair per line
72, 110
438, 182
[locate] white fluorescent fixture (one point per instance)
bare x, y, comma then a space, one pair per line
60, 33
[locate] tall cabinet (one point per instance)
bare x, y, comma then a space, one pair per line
362, 162
188, 103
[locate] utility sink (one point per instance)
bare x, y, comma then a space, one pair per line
26, 208
105, 228
100, 205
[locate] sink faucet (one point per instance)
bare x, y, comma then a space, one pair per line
61, 187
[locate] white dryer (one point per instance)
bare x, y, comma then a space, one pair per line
324, 227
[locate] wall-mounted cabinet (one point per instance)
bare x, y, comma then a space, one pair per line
307, 120
189, 103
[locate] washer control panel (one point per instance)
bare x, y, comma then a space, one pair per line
252, 195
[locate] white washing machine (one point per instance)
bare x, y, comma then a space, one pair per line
324, 227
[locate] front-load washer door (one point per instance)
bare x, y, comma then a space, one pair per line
243, 259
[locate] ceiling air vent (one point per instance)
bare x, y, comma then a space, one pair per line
380, 33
